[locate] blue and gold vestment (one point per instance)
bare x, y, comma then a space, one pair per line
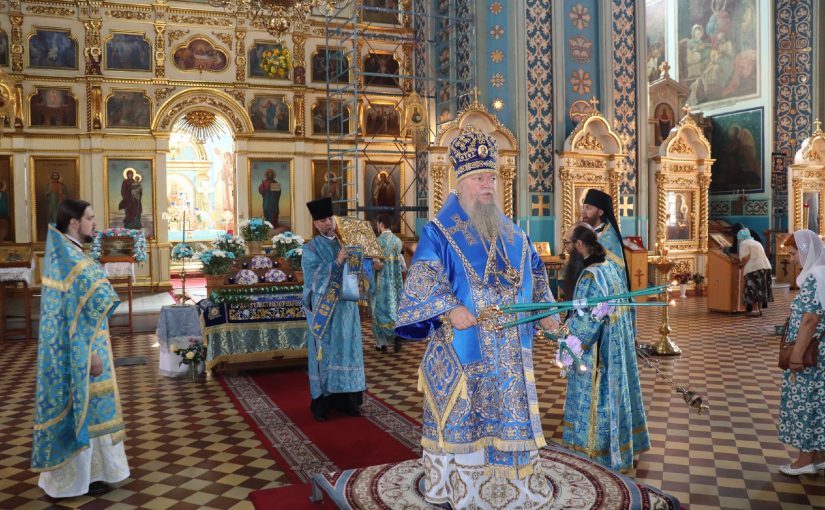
604, 414
71, 406
336, 357
478, 384
389, 286
609, 238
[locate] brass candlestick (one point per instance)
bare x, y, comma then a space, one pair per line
665, 346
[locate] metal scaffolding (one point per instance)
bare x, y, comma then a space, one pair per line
382, 63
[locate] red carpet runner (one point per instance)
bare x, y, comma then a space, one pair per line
276, 405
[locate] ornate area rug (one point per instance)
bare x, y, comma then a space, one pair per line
577, 482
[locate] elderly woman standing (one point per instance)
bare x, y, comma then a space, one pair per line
757, 270
802, 400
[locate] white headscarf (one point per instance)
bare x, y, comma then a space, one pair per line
812, 257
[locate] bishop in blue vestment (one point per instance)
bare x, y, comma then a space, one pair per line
336, 357
481, 424
77, 445
604, 415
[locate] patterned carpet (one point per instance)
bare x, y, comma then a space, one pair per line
189, 448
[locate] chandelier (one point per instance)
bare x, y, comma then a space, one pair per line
276, 16
202, 125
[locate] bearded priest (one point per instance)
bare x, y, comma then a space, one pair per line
482, 429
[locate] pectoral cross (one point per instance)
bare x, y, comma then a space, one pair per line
463, 227
638, 274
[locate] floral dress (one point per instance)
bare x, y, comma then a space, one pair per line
802, 399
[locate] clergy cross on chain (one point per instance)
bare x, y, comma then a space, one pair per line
463, 227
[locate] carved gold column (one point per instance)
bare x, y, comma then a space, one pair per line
567, 200
300, 115
92, 51
797, 203
704, 213
18, 109
97, 107
16, 43
438, 173
508, 175
661, 207
240, 55
407, 67
615, 176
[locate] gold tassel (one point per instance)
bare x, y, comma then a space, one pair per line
320, 355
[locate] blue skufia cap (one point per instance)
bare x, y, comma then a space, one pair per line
473, 151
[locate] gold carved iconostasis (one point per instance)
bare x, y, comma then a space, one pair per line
679, 195
590, 159
97, 95
443, 178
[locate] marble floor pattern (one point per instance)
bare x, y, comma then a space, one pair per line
188, 447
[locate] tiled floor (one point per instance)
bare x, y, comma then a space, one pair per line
188, 447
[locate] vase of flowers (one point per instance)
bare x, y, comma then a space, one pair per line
699, 282
682, 279
216, 264
231, 244
276, 63
284, 242
294, 257
191, 356
255, 232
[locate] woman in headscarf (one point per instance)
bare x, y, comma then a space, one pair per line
757, 271
802, 399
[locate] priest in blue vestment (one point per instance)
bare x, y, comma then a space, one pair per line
336, 357
389, 286
597, 211
481, 423
604, 416
77, 445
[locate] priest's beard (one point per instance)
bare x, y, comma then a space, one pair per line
572, 271
486, 219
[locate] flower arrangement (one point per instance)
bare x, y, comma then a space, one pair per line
192, 355
216, 262
276, 63
295, 257
682, 277
232, 244
286, 242
182, 251
256, 229
698, 278
137, 235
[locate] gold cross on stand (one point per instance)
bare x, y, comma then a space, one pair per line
817, 126
594, 103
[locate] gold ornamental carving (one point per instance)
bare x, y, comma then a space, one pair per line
16, 43
676, 168
300, 116
810, 154
680, 147
160, 50
128, 15
93, 51
18, 109
224, 38
162, 93
298, 50
588, 142
588, 163
174, 35
96, 102
586, 178
211, 21
237, 123
508, 175
439, 174
238, 94
43, 10
704, 210
240, 55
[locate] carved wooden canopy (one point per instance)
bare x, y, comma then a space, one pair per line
589, 160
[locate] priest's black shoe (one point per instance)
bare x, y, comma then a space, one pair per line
97, 489
397, 346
